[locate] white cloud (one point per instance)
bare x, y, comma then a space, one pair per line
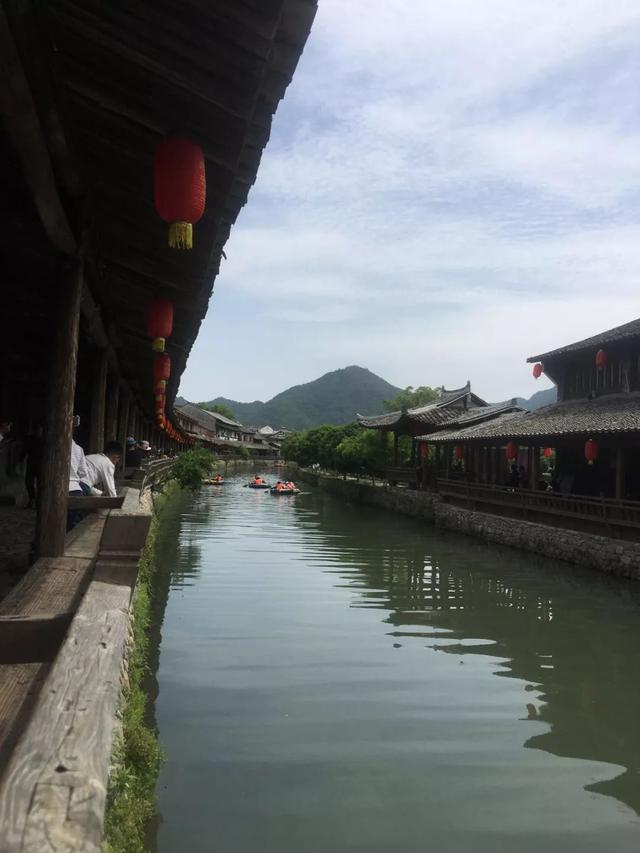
451, 186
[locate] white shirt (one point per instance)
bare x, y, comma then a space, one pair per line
101, 471
78, 470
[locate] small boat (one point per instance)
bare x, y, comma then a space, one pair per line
275, 491
213, 482
258, 485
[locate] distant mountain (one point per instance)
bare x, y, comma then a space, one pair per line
539, 399
334, 398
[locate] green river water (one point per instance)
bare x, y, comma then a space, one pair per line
333, 677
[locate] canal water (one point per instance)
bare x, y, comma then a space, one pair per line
336, 678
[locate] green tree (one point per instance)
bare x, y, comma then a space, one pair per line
412, 397
192, 467
220, 408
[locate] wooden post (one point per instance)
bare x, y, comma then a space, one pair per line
620, 473
111, 420
534, 467
395, 449
98, 402
447, 461
51, 525
123, 428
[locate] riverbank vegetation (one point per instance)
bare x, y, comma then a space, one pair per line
137, 756
192, 467
349, 449
353, 449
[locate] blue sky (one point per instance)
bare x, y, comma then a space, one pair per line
448, 189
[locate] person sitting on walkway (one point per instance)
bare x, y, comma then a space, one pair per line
101, 469
78, 475
135, 453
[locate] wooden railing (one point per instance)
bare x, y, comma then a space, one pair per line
401, 475
606, 516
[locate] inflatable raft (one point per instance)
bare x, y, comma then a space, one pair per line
275, 491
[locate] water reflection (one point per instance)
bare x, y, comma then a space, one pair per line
572, 636
336, 678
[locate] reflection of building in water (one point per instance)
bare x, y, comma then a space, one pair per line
571, 638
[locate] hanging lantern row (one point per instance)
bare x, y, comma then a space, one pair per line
159, 322
538, 370
458, 452
547, 453
424, 450
591, 451
601, 359
180, 187
512, 451
161, 368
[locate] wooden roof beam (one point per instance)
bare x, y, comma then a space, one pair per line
24, 128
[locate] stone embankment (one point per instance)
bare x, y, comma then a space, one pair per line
601, 553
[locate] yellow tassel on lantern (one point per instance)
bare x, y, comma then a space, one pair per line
158, 345
181, 235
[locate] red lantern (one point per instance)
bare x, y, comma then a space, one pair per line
537, 371
159, 387
161, 367
512, 450
458, 452
424, 450
601, 359
591, 451
180, 187
159, 322
547, 453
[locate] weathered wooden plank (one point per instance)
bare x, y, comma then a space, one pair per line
84, 539
52, 585
91, 503
32, 639
19, 687
53, 791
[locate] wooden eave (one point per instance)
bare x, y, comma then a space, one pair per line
109, 81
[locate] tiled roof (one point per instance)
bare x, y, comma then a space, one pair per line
437, 412
205, 419
611, 413
620, 333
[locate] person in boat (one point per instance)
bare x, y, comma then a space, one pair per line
218, 478
279, 486
258, 480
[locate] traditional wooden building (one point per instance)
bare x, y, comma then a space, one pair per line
588, 442
451, 409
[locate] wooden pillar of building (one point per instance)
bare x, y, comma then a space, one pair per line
534, 467
620, 473
53, 494
395, 449
98, 402
123, 425
111, 416
492, 465
447, 461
